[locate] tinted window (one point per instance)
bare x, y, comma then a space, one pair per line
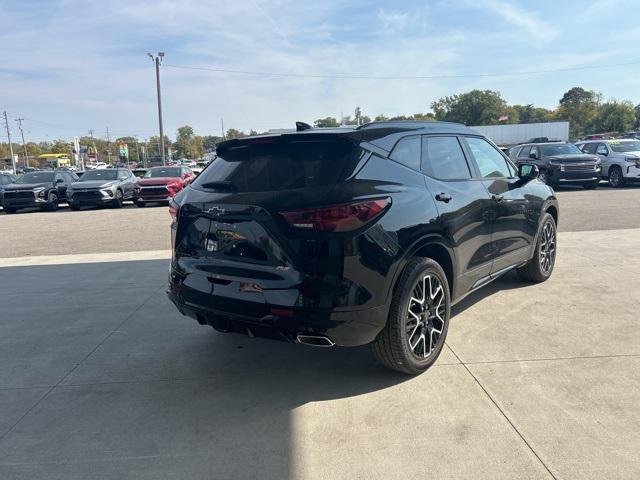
163, 172
559, 149
525, 151
106, 175
491, 163
407, 152
442, 158
534, 150
589, 147
36, 177
282, 164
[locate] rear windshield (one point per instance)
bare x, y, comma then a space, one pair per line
163, 172
281, 165
36, 177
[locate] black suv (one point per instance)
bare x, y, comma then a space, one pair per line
355, 236
561, 163
42, 189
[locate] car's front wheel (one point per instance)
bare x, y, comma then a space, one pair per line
616, 179
52, 202
540, 267
118, 200
418, 319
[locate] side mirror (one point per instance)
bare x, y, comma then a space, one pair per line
527, 171
533, 155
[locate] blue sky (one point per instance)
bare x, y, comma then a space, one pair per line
68, 65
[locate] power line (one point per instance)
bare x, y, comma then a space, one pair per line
358, 76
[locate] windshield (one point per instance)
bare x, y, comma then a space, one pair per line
163, 172
36, 177
621, 147
559, 149
106, 175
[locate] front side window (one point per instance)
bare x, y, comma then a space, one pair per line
534, 153
442, 158
602, 149
491, 164
407, 152
589, 147
525, 151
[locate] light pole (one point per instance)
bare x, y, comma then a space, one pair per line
157, 59
13, 160
24, 145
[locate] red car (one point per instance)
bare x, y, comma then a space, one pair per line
160, 184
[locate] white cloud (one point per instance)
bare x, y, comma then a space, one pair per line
393, 21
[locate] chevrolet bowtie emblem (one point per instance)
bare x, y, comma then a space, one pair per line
216, 211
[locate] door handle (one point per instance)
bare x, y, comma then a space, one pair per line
443, 197
497, 198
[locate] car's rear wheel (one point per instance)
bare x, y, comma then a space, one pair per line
616, 179
418, 319
540, 267
118, 200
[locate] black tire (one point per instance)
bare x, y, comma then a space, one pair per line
53, 201
73, 207
591, 186
392, 348
140, 203
616, 179
117, 201
540, 267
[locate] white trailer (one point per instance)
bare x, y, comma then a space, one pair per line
507, 135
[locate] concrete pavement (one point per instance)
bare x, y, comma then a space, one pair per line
102, 378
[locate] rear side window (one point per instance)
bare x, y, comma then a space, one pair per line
442, 158
281, 164
491, 164
407, 152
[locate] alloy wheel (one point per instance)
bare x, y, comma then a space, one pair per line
615, 177
547, 248
426, 315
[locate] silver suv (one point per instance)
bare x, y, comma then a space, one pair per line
620, 159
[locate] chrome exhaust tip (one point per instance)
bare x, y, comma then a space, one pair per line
315, 340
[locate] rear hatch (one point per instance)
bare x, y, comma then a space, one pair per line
231, 242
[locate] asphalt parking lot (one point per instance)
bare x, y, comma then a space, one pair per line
102, 378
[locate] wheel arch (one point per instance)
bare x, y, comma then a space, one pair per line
435, 247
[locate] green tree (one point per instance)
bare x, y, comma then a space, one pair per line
60, 146
579, 107
327, 122
209, 142
477, 107
183, 141
530, 114
637, 113
233, 133
615, 116
381, 118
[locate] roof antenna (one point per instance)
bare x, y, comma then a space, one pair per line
301, 126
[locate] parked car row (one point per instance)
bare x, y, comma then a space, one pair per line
46, 189
584, 163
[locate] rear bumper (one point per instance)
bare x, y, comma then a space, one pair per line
346, 328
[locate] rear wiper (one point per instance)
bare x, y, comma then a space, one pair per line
228, 186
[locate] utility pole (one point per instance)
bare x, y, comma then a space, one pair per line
157, 59
24, 145
109, 145
13, 159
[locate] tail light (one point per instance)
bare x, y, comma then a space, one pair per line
174, 210
336, 218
